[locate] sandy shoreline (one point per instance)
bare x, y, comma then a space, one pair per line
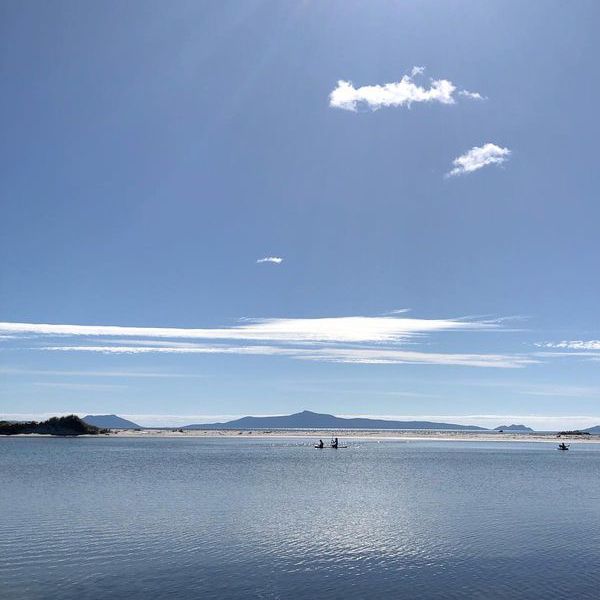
380, 435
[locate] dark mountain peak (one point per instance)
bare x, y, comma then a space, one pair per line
307, 419
513, 427
595, 429
110, 422
309, 413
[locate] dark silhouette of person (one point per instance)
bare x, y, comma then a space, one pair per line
334, 444
320, 444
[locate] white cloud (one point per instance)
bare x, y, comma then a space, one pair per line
328, 329
177, 349
582, 349
400, 93
479, 157
372, 356
79, 386
397, 311
471, 95
585, 355
359, 340
277, 260
94, 374
560, 391
572, 345
392, 356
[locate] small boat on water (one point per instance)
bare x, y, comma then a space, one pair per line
563, 446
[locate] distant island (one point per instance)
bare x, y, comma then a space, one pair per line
69, 425
513, 427
594, 430
311, 420
109, 422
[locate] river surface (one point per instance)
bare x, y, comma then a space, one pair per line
226, 518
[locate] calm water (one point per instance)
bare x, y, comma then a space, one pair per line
222, 518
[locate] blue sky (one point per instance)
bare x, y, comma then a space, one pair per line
152, 154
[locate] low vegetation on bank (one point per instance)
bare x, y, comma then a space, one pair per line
69, 425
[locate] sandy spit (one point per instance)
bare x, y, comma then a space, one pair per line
383, 435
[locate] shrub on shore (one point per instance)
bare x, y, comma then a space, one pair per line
68, 425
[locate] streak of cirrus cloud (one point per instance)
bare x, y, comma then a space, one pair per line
326, 329
364, 356
477, 158
400, 93
357, 340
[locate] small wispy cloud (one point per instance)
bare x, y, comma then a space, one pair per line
400, 93
478, 157
571, 345
587, 350
471, 95
397, 311
94, 374
277, 260
78, 386
586, 355
560, 391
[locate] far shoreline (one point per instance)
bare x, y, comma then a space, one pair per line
354, 435
358, 434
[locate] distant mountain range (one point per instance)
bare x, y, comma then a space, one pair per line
109, 422
513, 428
311, 420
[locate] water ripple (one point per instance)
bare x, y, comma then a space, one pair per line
249, 518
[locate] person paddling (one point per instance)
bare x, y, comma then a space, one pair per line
334, 443
320, 444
